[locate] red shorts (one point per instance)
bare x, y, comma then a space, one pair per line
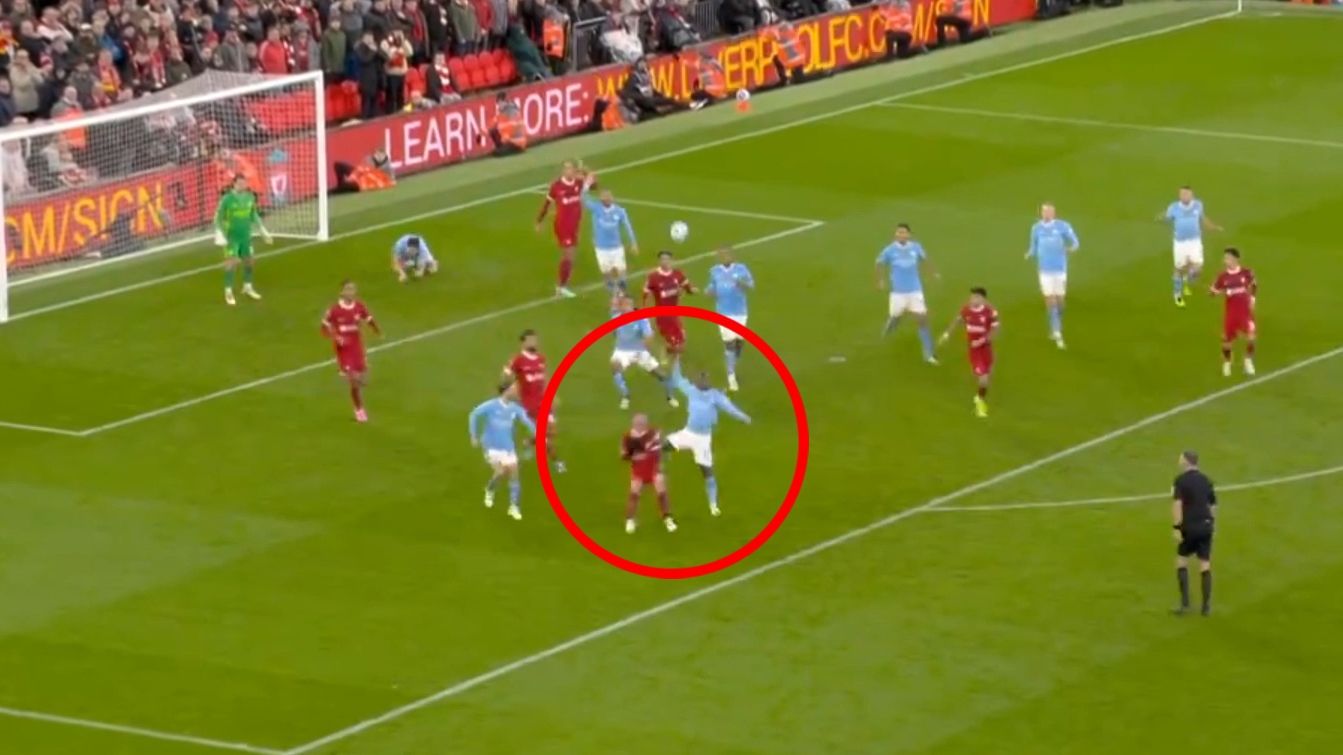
672, 331
981, 360
352, 360
565, 237
1233, 326
533, 409
644, 473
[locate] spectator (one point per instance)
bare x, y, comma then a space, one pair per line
437, 26
334, 46
27, 81
272, 55
29, 40
253, 27
58, 56
50, 27
465, 27
86, 46
674, 32
306, 13
178, 69
9, 112
306, 54
231, 55
86, 86
150, 66
413, 22
370, 58
530, 65
484, 22
396, 53
15, 178
351, 22
23, 11
738, 16
60, 163
532, 15
438, 83
109, 79
499, 17
68, 105
378, 21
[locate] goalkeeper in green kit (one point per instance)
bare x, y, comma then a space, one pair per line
235, 218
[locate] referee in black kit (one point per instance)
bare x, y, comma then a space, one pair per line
1192, 509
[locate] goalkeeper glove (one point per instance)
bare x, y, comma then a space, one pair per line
219, 238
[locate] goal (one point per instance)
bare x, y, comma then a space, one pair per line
144, 176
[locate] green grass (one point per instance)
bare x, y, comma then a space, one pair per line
256, 568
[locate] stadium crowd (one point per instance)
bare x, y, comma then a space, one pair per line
58, 59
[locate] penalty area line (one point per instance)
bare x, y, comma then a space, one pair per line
933, 504
137, 731
42, 429
1142, 497
415, 338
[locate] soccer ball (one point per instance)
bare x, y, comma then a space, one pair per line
680, 232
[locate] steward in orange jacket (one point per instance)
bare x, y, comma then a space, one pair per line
957, 16
710, 80
607, 115
375, 174
897, 24
790, 60
507, 130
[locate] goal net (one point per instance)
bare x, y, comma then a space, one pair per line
91, 189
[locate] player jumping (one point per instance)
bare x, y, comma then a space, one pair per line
528, 368
702, 407
344, 325
609, 221
632, 342
665, 286
496, 437
641, 446
1240, 288
1052, 240
903, 260
566, 193
1188, 224
235, 218
729, 281
981, 327
411, 256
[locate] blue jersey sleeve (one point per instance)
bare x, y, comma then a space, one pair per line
1035, 240
473, 421
678, 380
745, 280
1071, 235
591, 202
1170, 211
726, 405
520, 415
629, 226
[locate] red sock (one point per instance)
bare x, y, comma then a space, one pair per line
357, 396
632, 506
1249, 349
566, 270
983, 391
664, 504
1226, 353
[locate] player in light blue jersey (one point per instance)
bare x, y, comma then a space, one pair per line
1188, 222
1052, 240
411, 254
610, 225
900, 264
703, 403
632, 348
491, 427
729, 282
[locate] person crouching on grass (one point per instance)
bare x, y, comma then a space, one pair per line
411, 256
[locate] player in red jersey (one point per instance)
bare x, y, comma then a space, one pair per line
641, 446
566, 194
528, 370
1238, 285
665, 286
981, 327
344, 324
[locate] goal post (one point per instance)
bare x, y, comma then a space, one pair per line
86, 190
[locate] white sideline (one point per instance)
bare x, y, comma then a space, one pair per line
136, 731
805, 553
1164, 495
1117, 125
698, 147
42, 429
422, 335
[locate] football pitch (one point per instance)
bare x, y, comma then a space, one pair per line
200, 551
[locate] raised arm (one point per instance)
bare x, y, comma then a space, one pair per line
590, 202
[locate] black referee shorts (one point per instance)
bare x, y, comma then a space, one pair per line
1196, 541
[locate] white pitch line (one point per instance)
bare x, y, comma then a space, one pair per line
432, 333
1117, 125
136, 731
821, 547
42, 429
698, 147
1165, 495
